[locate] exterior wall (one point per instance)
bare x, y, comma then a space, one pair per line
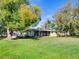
37, 33
53, 34
30, 33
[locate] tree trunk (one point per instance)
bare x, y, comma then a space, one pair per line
8, 34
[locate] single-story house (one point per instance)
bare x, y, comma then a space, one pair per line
40, 33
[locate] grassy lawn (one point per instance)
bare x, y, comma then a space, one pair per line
44, 48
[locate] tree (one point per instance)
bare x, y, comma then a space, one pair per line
15, 14
37, 11
65, 19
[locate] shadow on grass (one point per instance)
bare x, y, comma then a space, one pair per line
1, 37
76, 36
25, 38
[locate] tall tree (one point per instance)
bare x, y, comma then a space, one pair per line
15, 14
65, 18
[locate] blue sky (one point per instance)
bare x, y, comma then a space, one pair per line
49, 7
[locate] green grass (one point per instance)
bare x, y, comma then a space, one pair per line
44, 48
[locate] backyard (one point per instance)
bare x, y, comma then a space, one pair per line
42, 48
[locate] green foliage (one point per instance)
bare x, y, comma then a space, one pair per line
15, 14
36, 10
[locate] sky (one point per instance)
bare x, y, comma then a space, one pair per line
49, 7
